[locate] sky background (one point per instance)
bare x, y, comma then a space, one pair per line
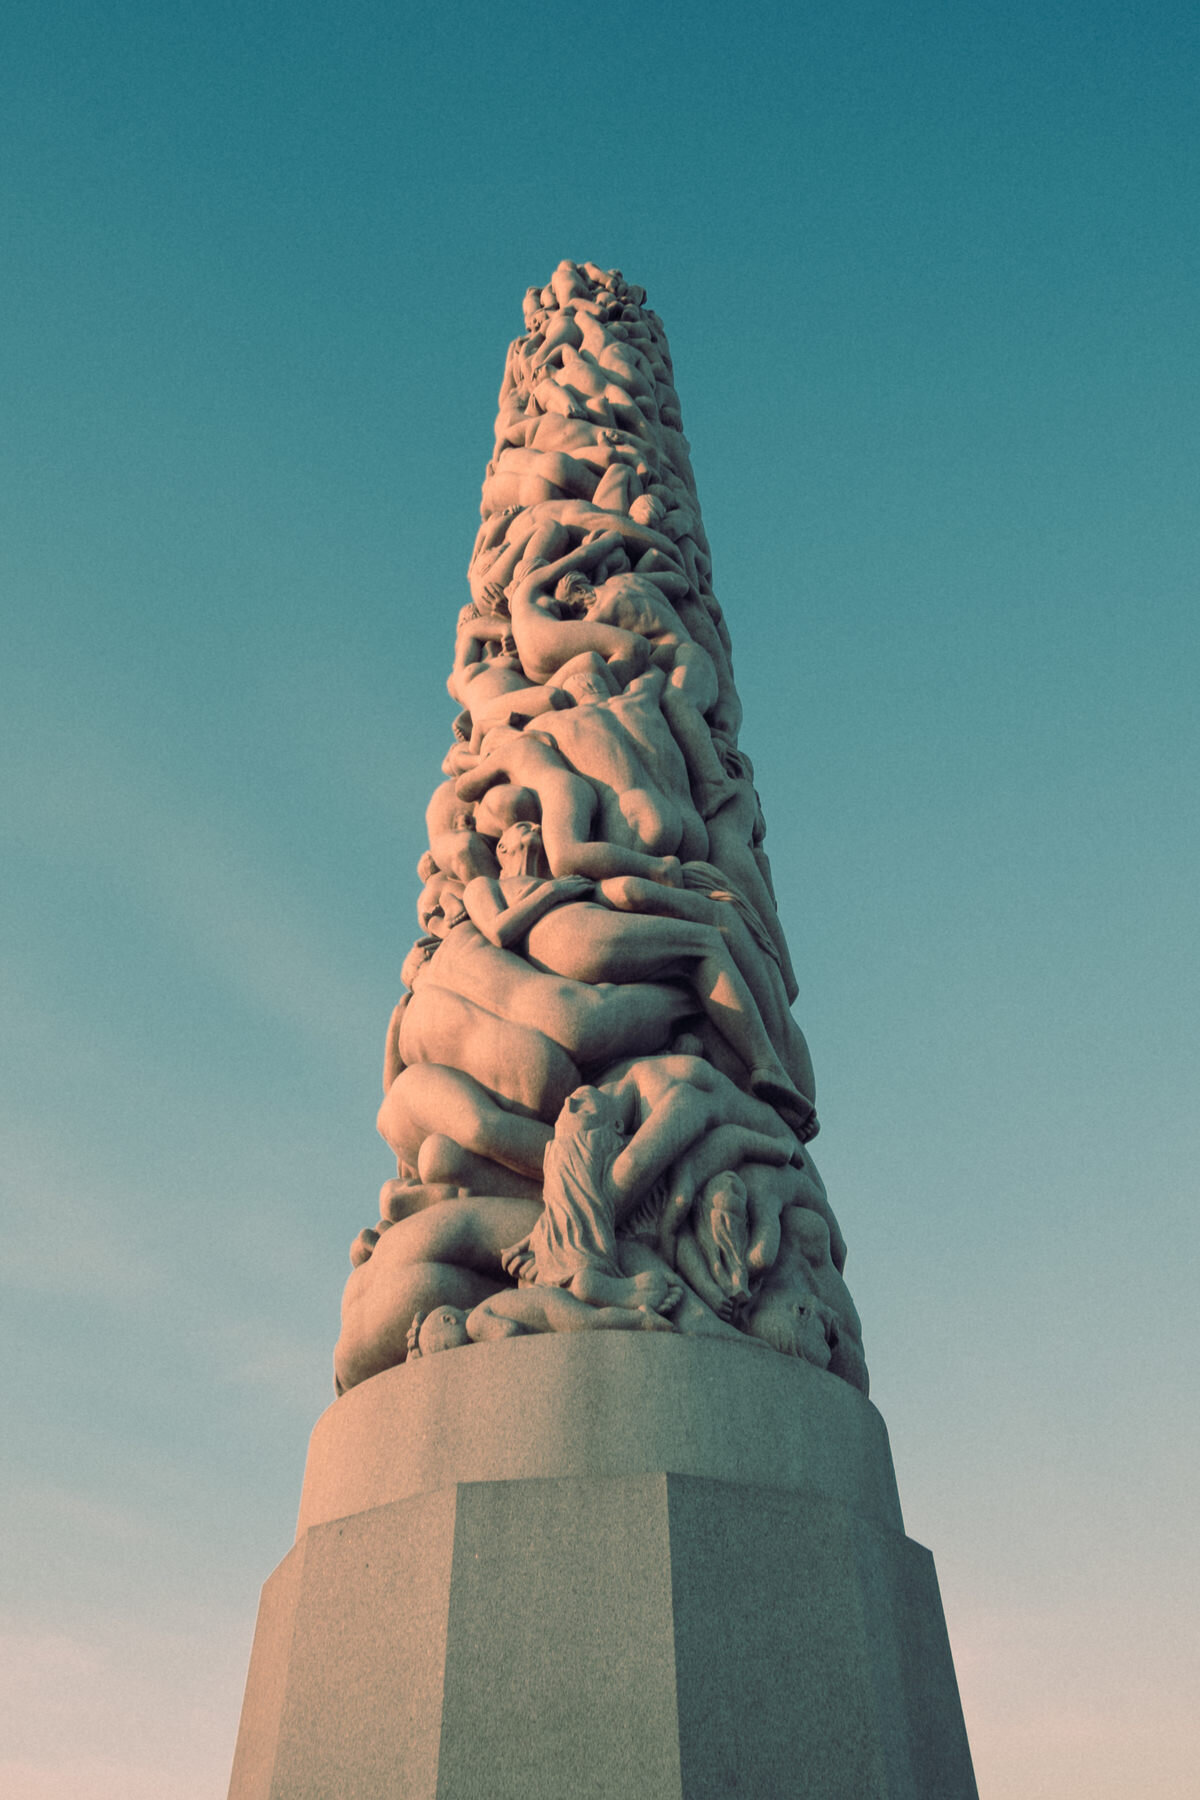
929, 275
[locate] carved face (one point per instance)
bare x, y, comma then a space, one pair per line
795, 1325
588, 1109
520, 849
443, 1329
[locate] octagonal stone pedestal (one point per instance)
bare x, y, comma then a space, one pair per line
602, 1567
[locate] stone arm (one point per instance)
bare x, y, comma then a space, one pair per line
669, 582
475, 629
728, 1147
545, 641
690, 1263
504, 924
772, 1191
678, 1120
493, 769
584, 556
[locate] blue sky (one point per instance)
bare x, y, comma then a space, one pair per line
929, 275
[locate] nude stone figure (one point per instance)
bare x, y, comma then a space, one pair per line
667, 1104
577, 814
589, 1023
517, 1312
773, 1190
573, 1241
562, 929
456, 847
623, 744
448, 1255
636, 603
487, 668
701, 899
431, 1101
711, 1249
546, 630
802, 1307
503, 541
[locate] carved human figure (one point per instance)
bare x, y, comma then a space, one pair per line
547, 628
573, 1242
505, 539
636, 603
802, 1306
590, 1023
667, 1104
456, 847
623, 744
562, 929
711, 1249
527, 477
521, 1066
703, 900
430, 1101
449, 1255
487, 678
576, 812
518, 1312
773, 1189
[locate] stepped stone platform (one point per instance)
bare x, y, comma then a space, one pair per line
602, 1567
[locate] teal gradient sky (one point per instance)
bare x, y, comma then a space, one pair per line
929, 272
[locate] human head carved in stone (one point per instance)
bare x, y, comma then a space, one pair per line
445, 1328
520, 850
794, 1323
573, 595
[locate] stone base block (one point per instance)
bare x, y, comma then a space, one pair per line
591, 1629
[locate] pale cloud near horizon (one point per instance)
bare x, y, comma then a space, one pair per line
1048, 1693
83, 1720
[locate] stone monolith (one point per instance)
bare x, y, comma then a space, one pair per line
602, 1507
